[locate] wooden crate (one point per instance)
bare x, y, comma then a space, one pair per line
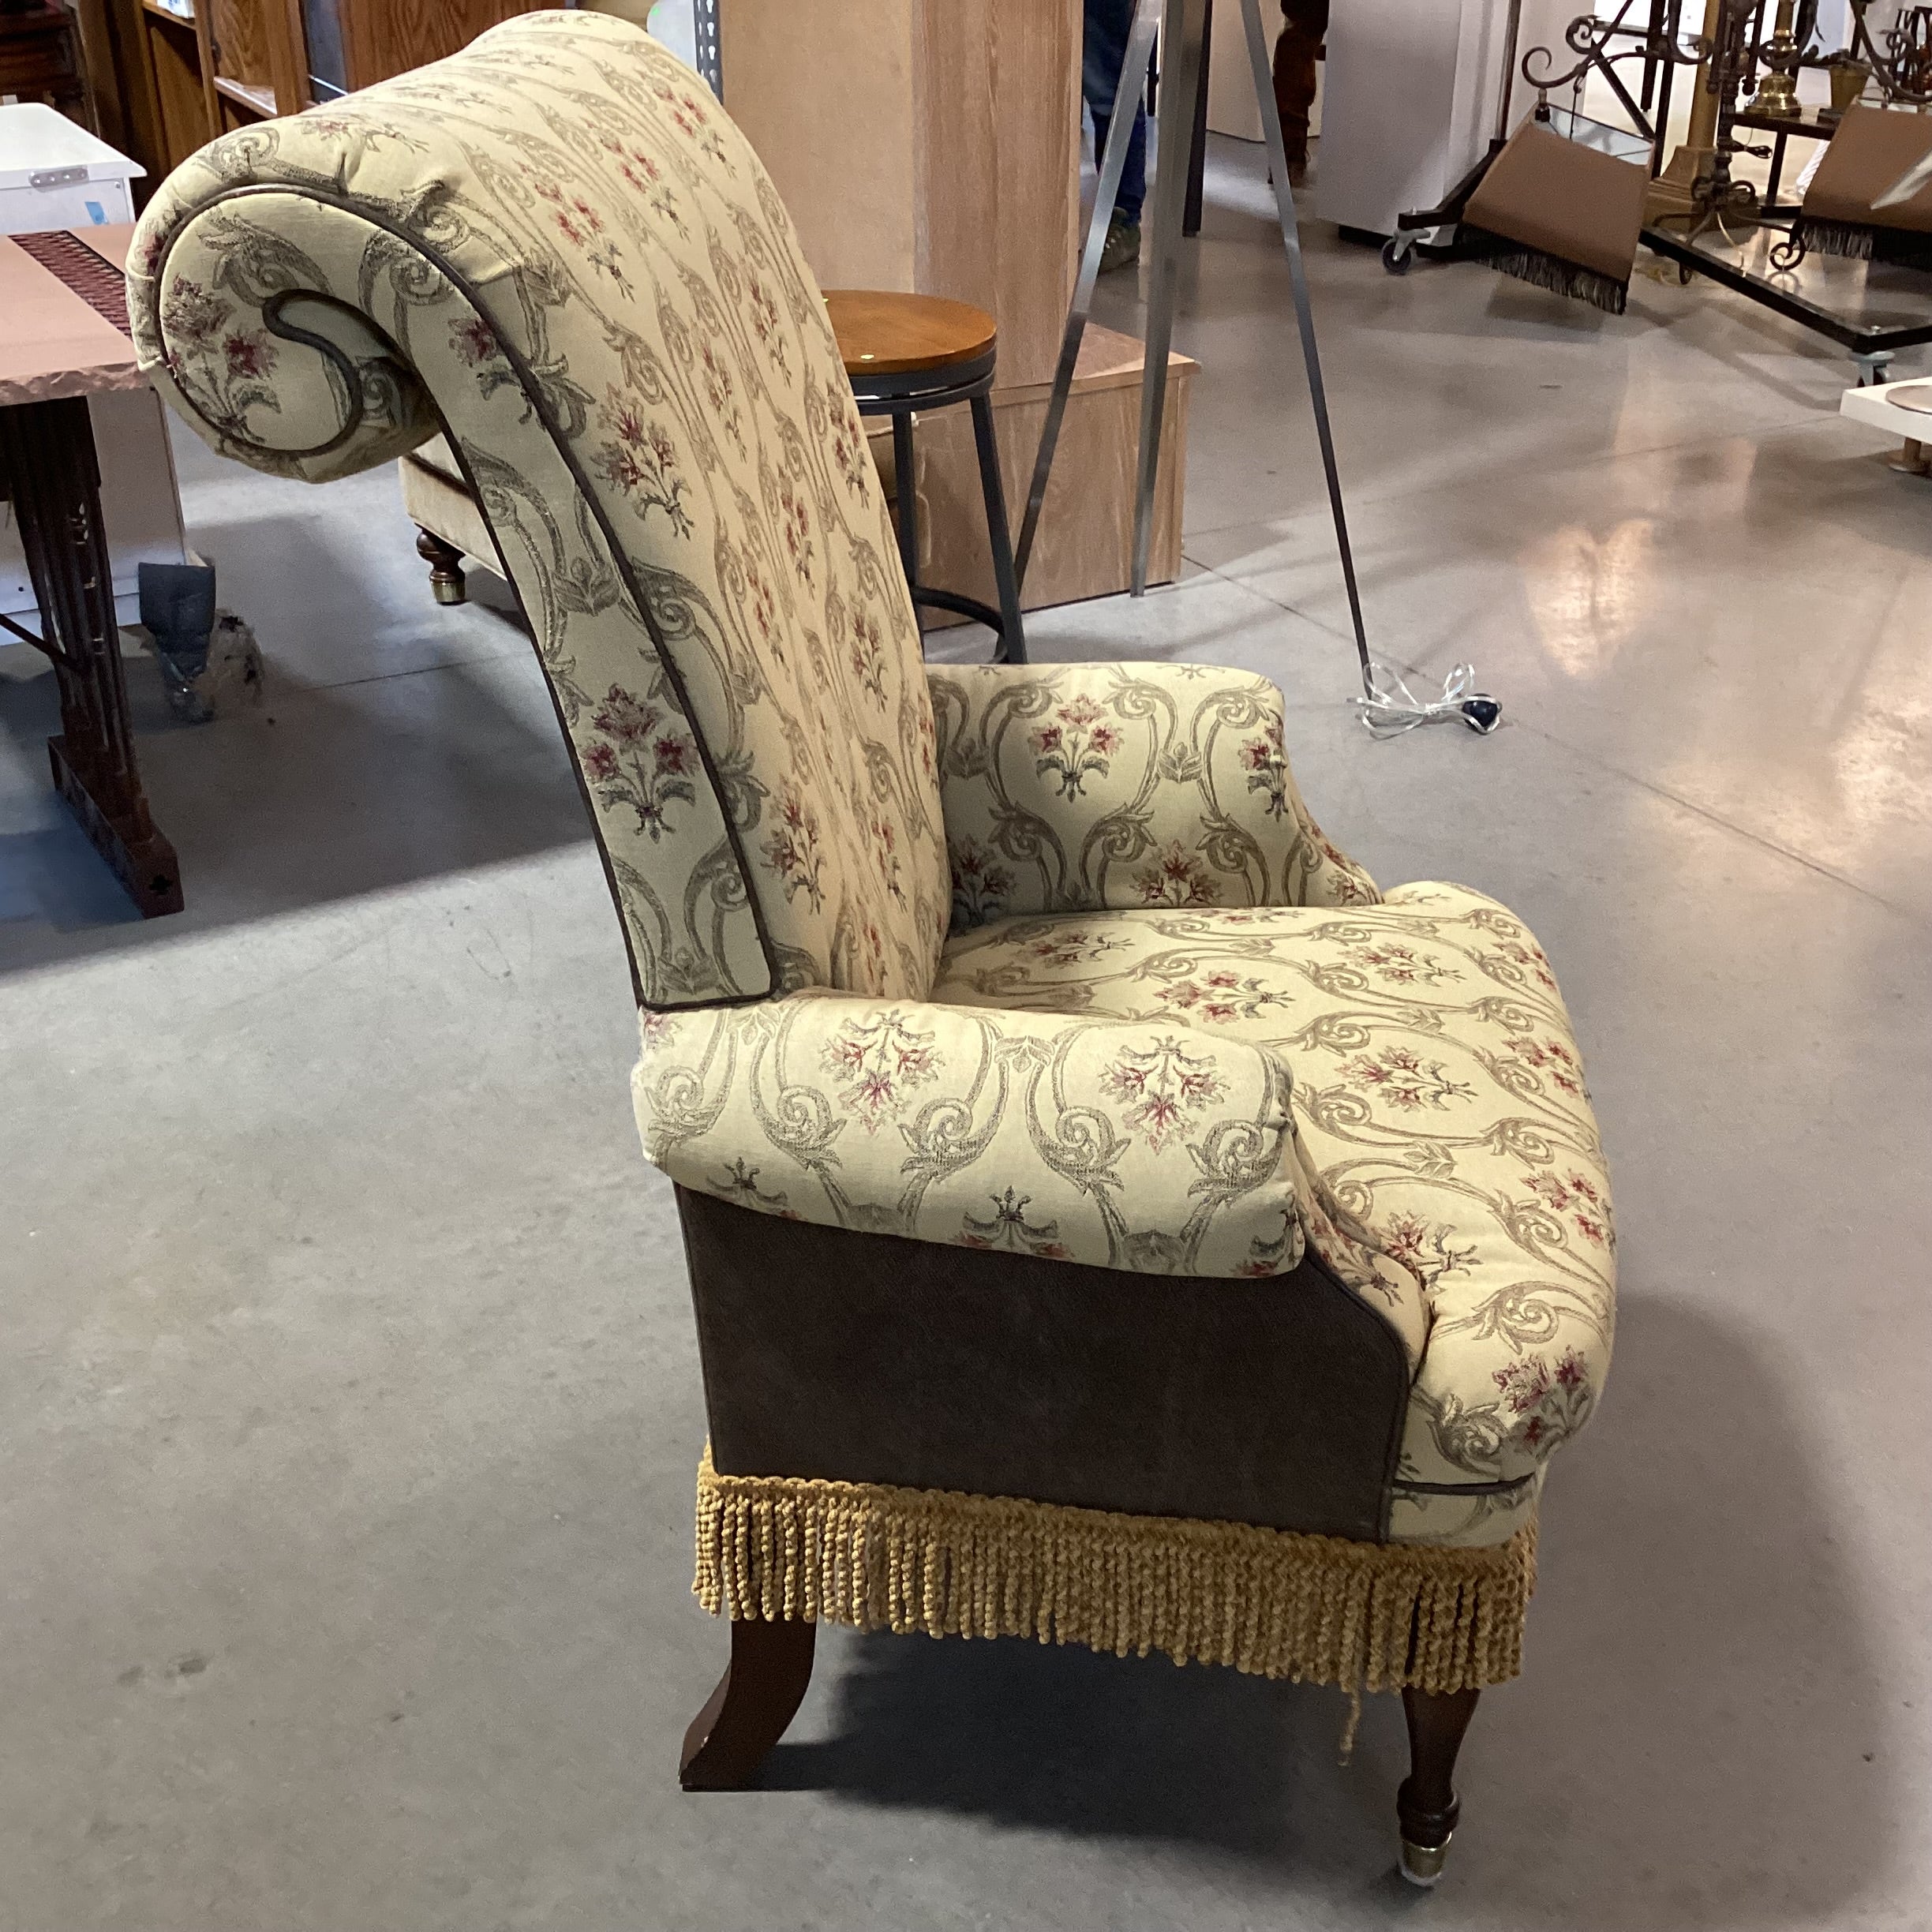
1085, 545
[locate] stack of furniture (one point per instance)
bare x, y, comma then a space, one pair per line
1112, 1219
934, 145
172, 74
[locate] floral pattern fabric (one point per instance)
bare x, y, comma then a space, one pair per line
1163, 1148
1174, 1028
557, 244
1080, 788
1440, 1099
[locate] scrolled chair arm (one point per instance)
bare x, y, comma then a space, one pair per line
1111, 1143
1109, 787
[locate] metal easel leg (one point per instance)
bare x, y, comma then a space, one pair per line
1387, 704
1183, 42
1134, 65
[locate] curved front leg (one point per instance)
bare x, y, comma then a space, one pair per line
758, 1695
1427, 1805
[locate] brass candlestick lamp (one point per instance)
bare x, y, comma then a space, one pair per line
1777, 92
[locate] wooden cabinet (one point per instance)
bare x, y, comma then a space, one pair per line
172, 74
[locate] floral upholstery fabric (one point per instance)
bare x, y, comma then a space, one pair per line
1080, 1139
556, 246
1077, 788
1439, 1095
1173, 1028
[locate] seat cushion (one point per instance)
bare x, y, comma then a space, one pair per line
1438, 1088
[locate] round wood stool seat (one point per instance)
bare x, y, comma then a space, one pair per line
885, 332
905, 354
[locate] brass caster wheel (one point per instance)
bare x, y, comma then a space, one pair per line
1422, 1865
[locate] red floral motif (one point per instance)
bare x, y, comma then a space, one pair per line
1551, 1404
1400, 1076
1401, 965
641, 759
473, 340
981, 885
1074, 745
720, 390
639, 461
1553, 1058
878, 1063
795, 521
1067, 946
1219, 999
575, 220
849, 455
764, 313
1177, 877
1531, 957
1267, 772
886, 851
792, 848
1166, 1088
248, 353
190, 317
1582, 1199
868, 654
1426, 1249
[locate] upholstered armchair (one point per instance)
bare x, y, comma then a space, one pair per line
1110, 1218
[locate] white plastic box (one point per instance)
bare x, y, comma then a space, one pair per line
54, 174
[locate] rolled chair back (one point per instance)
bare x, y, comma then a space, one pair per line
556, 248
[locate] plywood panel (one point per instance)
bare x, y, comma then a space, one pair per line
384, 37
823, 90
1085, 545
997, 108
180, 100
240, 33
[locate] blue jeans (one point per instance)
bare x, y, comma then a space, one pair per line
1108, 24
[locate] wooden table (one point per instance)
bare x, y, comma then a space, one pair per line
66, 339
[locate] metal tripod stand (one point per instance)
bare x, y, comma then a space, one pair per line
1387, 704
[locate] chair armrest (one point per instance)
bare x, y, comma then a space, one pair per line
1107, 1142
1104, 787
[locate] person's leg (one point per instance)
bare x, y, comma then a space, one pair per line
1108, 23
1304, 24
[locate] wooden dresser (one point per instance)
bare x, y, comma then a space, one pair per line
171, 75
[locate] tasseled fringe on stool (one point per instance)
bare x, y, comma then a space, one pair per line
1852, 240
1544, 270
1367, 1617
1860, 242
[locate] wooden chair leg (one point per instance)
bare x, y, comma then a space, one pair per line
758, 1695
445, 562
1426, 1805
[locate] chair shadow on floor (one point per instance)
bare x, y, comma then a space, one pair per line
1700, 1737
321, 793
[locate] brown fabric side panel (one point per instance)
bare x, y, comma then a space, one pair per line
1545, 192
868, 1358
1872, 147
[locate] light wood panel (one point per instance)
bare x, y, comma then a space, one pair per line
1084, 547
996, 109
383, 38
926, 144
823, 90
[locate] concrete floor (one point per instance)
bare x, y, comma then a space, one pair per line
348, 1406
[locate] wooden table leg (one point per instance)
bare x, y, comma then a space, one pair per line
48, 467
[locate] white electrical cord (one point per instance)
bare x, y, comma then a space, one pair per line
1388, 707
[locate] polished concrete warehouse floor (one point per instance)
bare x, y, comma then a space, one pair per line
348, 1400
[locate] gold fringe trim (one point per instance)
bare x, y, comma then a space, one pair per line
1373, 1616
